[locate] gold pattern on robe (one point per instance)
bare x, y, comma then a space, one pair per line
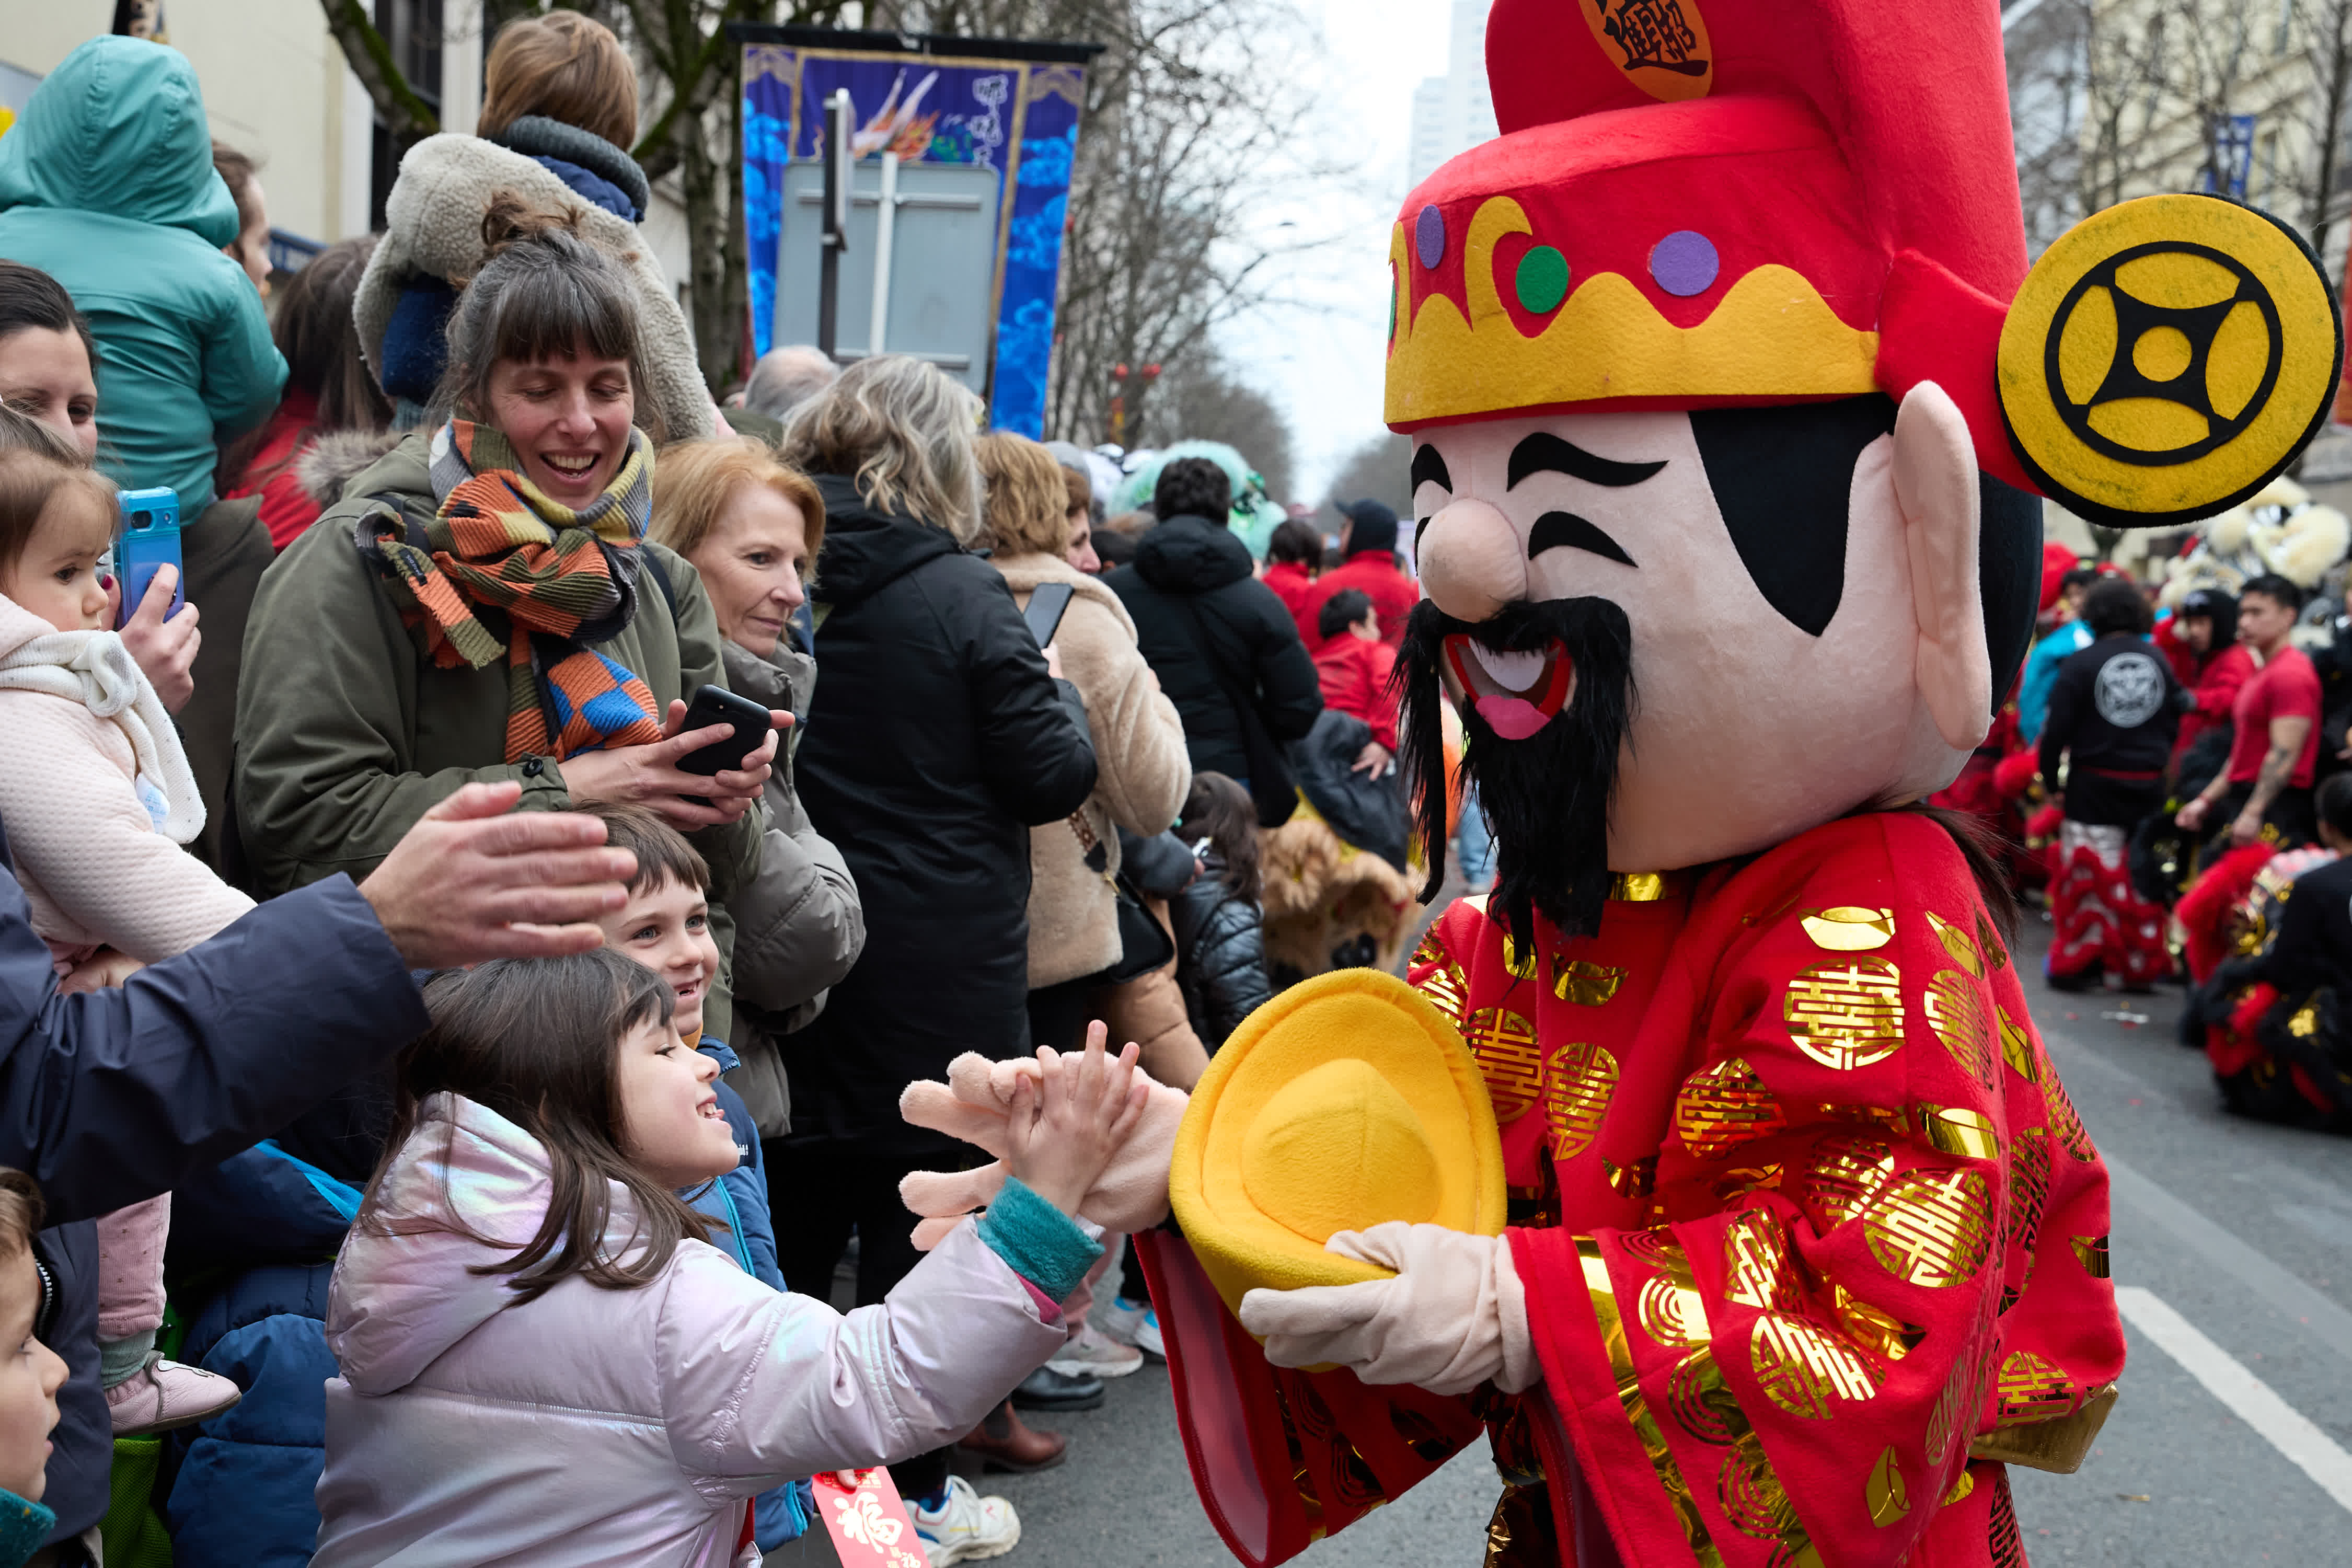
2064, 1125
2306, 1022
1880, 1332
2029, 1185
1956, 1011
1504, 1044
1637, 1408
1847, 1013
2017, 1049
1637, 887
1960, 1488
2033, 1388
1990, 940
1959, 944
1954, 1129
1577, 1084
1803, 1368
1739, 1182
1883, 1491
1520, 962
1847, 927
1757, 1271
1889, 1119
1723, 1107
1657, 1250
2000, 1529
2093, 1251
1635, 1180
1702, 1404
1672, 1315
1952, 1406
1751, 1495
1931, 1230
1446, 987
1846, 1169
1583, 982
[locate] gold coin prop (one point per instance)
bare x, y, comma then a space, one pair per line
2166, 358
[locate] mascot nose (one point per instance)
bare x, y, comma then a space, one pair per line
1472, 562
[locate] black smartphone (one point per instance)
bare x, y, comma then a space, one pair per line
1046, 603
717, 705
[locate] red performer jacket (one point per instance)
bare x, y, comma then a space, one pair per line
1812, 1239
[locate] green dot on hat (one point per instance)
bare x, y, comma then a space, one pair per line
1542, 280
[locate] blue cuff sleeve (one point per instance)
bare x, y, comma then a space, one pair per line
1037, 1241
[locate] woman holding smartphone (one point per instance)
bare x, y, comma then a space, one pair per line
483, 605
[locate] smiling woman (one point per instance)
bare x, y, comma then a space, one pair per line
483, 605
751, 527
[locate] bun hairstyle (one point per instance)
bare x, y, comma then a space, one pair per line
537, 1040
545, 291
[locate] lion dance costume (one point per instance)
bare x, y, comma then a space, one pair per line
1712, 1164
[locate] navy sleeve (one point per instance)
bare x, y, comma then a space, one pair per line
114, 1097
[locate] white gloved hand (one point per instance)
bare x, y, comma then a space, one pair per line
976, 1105
1453, 1317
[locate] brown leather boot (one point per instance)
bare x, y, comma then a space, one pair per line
1002, 1442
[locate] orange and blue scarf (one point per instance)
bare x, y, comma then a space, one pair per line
561, 579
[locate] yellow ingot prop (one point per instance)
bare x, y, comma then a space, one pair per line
1343, 1102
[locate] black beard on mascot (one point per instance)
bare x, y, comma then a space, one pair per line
1546, 797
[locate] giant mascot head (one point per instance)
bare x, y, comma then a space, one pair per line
1732, 400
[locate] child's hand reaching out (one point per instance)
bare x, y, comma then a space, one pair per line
1069, 1121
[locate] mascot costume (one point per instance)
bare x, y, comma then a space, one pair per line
1712, 1164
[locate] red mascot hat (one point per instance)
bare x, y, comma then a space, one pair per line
1709, 202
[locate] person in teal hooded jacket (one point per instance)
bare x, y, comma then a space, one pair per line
107, 185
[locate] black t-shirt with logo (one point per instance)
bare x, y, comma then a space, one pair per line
2114, 709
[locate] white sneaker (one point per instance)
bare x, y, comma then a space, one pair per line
1091, 1353
1134, 1323
966, 1527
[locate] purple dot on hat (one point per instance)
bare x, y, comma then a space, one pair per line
1429, 237
1684, 262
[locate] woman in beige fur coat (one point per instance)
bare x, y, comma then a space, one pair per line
1142, 768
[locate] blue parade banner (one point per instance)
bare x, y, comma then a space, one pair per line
1009, 105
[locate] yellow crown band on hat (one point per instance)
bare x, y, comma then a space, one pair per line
1345, 1101
1772, 336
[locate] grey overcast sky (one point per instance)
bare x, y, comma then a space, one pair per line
1322, 359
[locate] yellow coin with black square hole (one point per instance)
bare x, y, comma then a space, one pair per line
2166, 358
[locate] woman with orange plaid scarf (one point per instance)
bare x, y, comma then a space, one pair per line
483, 603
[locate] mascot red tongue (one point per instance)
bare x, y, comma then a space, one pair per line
1713, 1165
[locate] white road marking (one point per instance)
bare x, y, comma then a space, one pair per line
2248, 1397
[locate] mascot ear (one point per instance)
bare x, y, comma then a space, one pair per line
1936, 487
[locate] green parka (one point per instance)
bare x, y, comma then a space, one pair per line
346, 733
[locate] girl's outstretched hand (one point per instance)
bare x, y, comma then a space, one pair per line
1067, 1123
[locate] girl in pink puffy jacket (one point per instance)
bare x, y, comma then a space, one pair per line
545, 1360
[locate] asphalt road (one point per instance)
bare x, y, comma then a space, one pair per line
2232, 1243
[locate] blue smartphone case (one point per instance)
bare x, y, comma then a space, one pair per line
150, 538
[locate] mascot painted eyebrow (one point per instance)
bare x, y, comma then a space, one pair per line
1712, 1164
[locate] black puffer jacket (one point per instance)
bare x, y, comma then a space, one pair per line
1191, 581
1220, 954
935, 741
